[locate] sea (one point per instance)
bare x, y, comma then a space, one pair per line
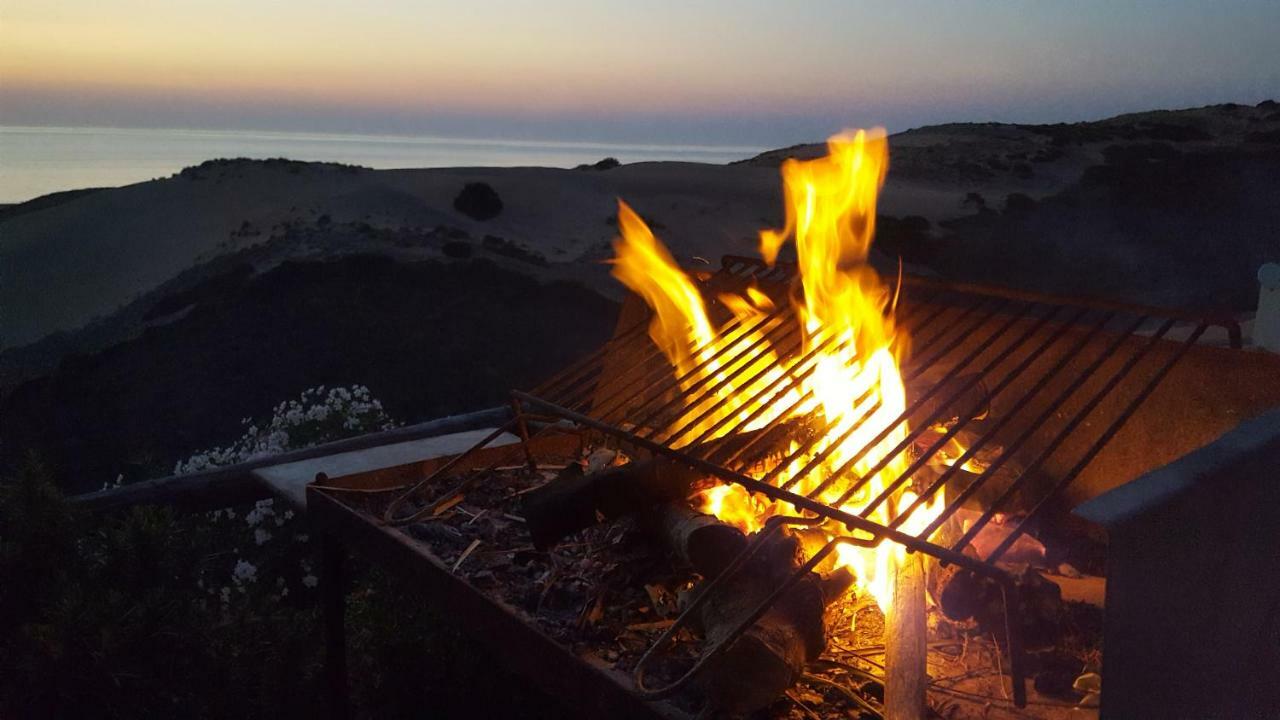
36, 161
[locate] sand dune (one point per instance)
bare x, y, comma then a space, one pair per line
65, 264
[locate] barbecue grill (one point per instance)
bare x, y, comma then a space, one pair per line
1065, 374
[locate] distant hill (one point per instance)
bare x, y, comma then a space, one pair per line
71, 257
141, 323
68, 258
64, 265
11, 210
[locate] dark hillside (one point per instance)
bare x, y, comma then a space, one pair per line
1182, 229
427, 338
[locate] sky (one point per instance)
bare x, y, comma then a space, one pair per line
715, 71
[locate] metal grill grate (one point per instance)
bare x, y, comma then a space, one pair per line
1067, 375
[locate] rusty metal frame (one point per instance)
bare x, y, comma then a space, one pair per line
595, 691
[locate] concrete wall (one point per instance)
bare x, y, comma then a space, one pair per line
1193, 583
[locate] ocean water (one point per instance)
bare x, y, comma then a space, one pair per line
38, 160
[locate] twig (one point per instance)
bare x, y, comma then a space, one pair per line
447, 503
465, 553
999, 667
366, 491
551, 580
857, 699
791, 695
852, 669
979, 697
655, 625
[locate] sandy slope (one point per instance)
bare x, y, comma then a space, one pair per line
63, 265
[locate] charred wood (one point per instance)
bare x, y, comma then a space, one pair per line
963, 595
695, 539
576, 500
963, 397
771, 655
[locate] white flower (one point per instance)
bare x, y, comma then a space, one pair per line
244, 571
225, 594
261, 536
310, 580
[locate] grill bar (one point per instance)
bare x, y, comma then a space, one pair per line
1001, 341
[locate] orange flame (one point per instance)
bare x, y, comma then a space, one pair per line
852, 385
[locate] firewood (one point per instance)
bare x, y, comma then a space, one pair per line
962, 594
697, 540
905, 641
771, 655
950, 399
576, 500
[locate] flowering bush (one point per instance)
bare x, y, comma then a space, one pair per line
318, 415
152, 613
231, 591
268, 544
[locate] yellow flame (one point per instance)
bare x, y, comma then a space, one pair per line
852, 387
643, 264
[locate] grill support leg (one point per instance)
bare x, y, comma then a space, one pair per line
335, 632
906, 649
1013, 631
517, 410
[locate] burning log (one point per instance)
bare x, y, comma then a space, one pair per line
950, 399
576, 500
771, 655
768, 658
698, 540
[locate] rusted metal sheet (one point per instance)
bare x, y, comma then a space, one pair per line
590, 691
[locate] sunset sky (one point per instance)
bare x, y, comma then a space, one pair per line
714, 71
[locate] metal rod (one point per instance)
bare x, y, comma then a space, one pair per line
654, 377
389, 516
967, 416
1097, 446
756, 399
706, 377
1067, 430
548, 388
991, 433
979, 348
853, 522
788, 412
653, 349
691, 399
831, 447
523, 428
1224, 320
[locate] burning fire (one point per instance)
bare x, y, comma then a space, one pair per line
850, 386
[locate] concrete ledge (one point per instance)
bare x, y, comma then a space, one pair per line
289, 480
